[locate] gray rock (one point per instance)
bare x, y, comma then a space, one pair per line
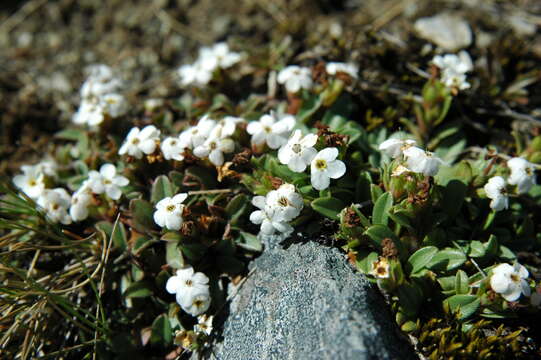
448, 31
307, 302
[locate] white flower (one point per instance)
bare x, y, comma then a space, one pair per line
399, 170
298, 152
285, 203
114, 105
421, 161
56, 202
90, 113
107, 181
139, 142
153, 104
47, 166
172, 149
266, 217
224, 56
196, 135
194, 74
204, 324
459, 64
215, 146
200, 302
295, 78
380, 268
522, 174
454, 68
333, 68
101, 80
324, 167
31, 181
185, 282
497, 192
453, 79
228, 125
271, 130
510, 281
169, 212
191, 289
394, 147
80, 201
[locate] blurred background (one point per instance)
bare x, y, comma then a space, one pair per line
45, 46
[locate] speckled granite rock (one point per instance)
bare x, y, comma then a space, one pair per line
307, 302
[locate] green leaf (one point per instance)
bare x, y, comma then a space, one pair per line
375, 192
463, 305
142, 215
364, 264
138, 289
328, 206
161, 188
453, 197
193, 251
506, 254
447, 284
173, 256
477, 249
410, 297
447, 259
70, 134
401, 218
310, 105
204, 177
462, 285
249, 242
119, 237
491, 246
236, 207
462, 172
380, 213
161, 331
420, 259
379, 232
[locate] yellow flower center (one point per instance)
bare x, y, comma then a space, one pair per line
283, 201
321, 164
170, 208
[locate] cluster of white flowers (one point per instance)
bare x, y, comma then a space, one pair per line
169, 210
100, 97
208, 139
139, 142
415, 159
192, 293
454, 68
333, 68
32, 180
295, 78
276, 210
204, 324
510, 281
299, 152
522, 175
219, 56
57, 202
272, 130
